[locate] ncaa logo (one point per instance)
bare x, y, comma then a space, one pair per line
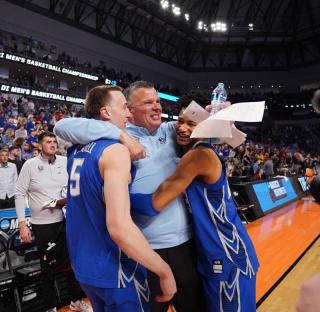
4, 225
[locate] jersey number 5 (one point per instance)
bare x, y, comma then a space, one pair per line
75, 177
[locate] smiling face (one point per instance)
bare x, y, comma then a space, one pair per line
184, 128
144, 105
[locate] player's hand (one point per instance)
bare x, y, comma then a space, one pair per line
309, 300
168, 286
51, 204
221, 106
135, 148
25, 234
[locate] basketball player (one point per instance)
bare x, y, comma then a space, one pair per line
106, 248
227, 260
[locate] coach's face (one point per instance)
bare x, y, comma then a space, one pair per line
145, 107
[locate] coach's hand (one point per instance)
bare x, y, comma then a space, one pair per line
135, 148
25, 233
168, 286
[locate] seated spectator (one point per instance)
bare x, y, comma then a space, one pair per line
33, 137
21, 132
30, 123
26, 151
11, 124
35, 152
38, 126
8, 137
8, 179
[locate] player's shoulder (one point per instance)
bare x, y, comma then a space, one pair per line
116, 148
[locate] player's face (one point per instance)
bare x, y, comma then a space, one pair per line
145, 107
49, 146
118, 110
184, 128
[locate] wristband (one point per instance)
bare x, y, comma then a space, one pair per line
142, 203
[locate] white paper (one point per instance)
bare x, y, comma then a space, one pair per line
212, 129
195, 112
246, 112
238, 137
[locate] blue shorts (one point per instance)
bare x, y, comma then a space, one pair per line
236, 294
133, 298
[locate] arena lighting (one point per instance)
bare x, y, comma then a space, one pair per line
176, 10
187, 17
250, 25
164, 4
200, 25
218, 27
168, 97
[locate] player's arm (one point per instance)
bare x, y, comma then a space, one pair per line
83, 131
196, 162
114, 167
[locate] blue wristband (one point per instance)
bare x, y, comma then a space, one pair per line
142, 203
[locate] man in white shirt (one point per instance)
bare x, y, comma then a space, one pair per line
8, 179
43, 180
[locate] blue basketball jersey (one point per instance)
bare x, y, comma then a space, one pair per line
95, 258
223, 243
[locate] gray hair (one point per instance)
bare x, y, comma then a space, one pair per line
140, 84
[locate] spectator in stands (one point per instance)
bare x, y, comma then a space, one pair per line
26, 152
268, 166
8, 137
169, 233
21, 132
42, 180
11, 124
36, 152
1, 135
31, 106
18, 142
256, 166
38, 126
33, 137
14, 154
30, 123
8, 179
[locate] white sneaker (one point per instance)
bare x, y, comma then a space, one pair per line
80, 306
52, 310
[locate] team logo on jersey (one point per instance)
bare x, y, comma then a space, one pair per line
40, 168
217, 266
162, 140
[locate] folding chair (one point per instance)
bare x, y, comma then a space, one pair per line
8, 285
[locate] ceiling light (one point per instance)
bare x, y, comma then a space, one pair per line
164, 4
176, 10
